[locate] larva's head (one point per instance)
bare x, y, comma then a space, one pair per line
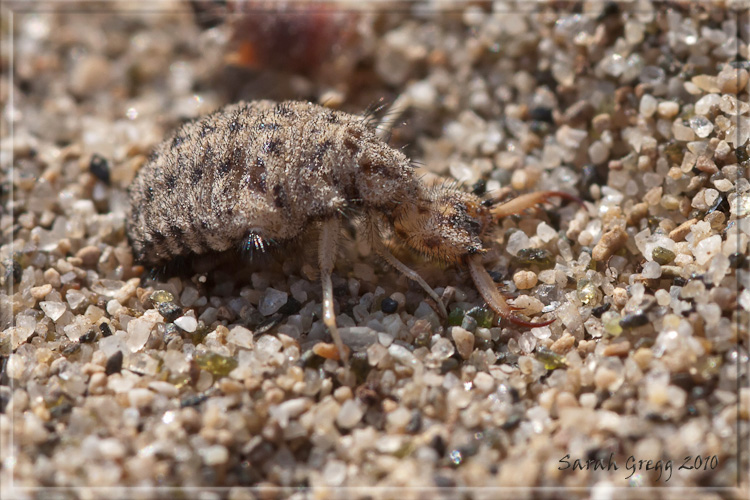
448, 226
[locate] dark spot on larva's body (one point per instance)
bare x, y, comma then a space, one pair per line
153, 157
234, 126
401, 234
352, 194
322, 149
272, 147
239, 117
224, 167
269, 126
257, 182
370, 167
255, 177
279, 196
176, 231
432, 241
196, 232
170, 181
208, 156
367, 167
238, 158
317, 158
177, 141
147, 247
332, 118
196, 174
206, 130
158, 237
351, 145
150, 193
196, 225
182, 164
283, 109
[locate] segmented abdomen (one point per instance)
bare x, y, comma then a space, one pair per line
259, 169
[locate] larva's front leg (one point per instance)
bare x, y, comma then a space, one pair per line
382, 250
488, 290
327, 247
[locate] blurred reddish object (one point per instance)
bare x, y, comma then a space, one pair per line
294, 36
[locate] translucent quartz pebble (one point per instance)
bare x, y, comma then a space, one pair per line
704, 104
545, 232
108, 288
53, 310
267, 345
541, 333
77, 327
187, 323
75, 298
358, 338
241, 336
464, 340
189, 296
614, 64
401, 354
271, 301
139, 330
527, 342
707, 248
653, 75
701, 126
517, 241
648, 105
350, 414
651, 270
443, 348
25, 326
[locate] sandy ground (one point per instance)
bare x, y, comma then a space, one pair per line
219, 381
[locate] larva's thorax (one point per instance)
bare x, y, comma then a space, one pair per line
262, 170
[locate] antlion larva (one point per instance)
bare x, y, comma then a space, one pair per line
258, 174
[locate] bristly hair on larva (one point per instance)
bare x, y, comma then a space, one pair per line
261, 173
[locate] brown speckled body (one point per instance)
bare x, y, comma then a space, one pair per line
258, 172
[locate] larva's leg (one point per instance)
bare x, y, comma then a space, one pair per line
329, 236
488, 290
521, 203
383, 251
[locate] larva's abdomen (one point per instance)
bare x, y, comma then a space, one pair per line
261, 171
